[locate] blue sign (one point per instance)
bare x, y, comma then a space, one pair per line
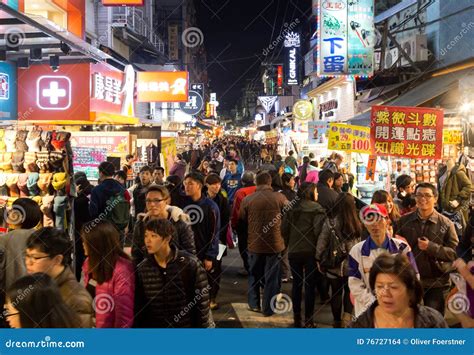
8, 92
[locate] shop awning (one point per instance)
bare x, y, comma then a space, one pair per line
420, 94
95, 118
20, 33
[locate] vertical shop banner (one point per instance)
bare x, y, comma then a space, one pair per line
371, 166
349, 138
409, 132
317, 132
173, 44
292, 63
361, 37
8, 92
346, 37
168, 151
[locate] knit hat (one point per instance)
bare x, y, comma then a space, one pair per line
59, 181
23, 185
33, 184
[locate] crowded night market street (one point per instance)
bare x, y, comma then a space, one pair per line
237, 164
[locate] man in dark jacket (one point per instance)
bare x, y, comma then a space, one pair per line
171, 285
248, 181
157, 208
263, 211
139, 192
326, 195
214, 192
108, 187
433, 240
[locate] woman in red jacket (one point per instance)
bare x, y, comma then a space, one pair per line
108, 275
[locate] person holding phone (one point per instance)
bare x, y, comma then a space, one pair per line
433, 239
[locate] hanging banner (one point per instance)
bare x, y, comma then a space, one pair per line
292, 58
370, 173
317, 132
346, 36
168, 150
452, 137
349, 138
409, 132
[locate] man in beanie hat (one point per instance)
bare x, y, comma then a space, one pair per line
363, 254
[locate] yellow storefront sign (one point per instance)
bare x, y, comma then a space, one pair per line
349, 138
452, 136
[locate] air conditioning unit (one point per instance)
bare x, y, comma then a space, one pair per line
416, 47
391, 56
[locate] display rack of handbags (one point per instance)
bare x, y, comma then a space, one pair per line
37, 164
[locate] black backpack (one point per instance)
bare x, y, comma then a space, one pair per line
335, 252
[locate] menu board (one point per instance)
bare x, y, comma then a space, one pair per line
88, 159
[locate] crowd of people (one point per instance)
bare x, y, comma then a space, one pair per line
382, 265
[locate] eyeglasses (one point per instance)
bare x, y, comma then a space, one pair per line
33, 258
155, 200
425, 196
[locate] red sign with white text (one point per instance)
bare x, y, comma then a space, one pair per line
409, 132
47, 95
280, 76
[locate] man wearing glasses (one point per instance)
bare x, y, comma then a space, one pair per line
433, 240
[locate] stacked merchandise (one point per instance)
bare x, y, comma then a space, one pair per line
37, 164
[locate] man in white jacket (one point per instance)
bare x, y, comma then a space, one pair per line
363, 254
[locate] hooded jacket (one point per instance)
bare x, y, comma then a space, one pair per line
183, 238
302, 226
458, 187
102, 193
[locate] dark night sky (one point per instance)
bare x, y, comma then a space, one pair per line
236, 29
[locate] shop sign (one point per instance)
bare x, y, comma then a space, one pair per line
62, 95
317, 132
303, 110
173, 44
346, 37
122, 2
8, 92
113, 142
371, 166
327, 109
162, 86
88, 159
409, 132
267, 102
453, 137
280, 76
194, 104
292, 58
349, 138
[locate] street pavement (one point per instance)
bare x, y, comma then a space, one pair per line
232, 299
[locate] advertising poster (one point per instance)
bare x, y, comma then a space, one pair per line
349, 138
317, 132
88, 159
112, 142
408, 132
168, 151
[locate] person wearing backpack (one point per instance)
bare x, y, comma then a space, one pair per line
338, 236
301, 228
110, 200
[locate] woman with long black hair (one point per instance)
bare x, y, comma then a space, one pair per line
346, 227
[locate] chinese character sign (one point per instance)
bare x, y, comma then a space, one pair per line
346, 36
163, 86
349, 138
410, 132
292, 58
